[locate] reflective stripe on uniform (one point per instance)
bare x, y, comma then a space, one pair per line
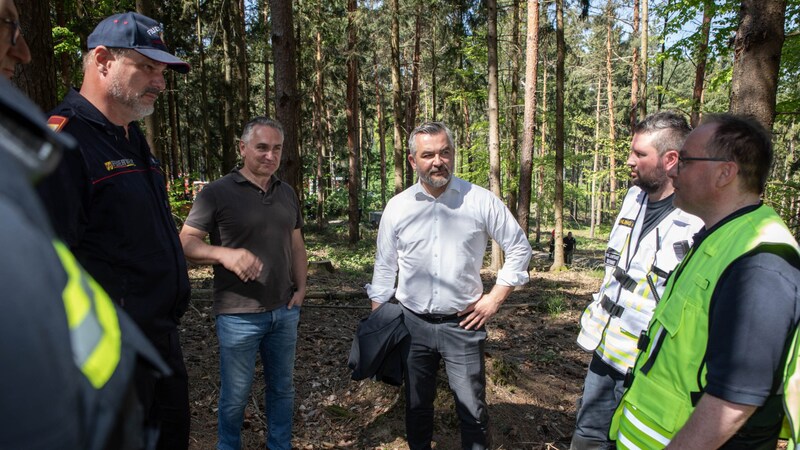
92, 319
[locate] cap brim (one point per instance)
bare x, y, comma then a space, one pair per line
170, 60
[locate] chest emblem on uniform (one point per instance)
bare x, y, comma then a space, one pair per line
119, 164
626, 222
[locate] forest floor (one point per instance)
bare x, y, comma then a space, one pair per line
535, 369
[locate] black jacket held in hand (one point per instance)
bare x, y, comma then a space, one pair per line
380, 345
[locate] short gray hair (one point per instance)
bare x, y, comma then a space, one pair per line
429, 128
261, 121
669, 130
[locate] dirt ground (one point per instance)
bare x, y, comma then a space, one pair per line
534, 370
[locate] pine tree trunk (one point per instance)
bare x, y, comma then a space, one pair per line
612, 163
529, 117
397, 100
558, 203
700, 67
757, 57
287, 99
38, 78
354, 180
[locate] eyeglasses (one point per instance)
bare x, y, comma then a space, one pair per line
16, 30
682, 160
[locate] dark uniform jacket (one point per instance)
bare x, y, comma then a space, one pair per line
380, 346
47, 402
108, 202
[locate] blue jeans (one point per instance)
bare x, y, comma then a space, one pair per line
602, 391
241, 336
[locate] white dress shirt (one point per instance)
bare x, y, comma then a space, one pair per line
437, 247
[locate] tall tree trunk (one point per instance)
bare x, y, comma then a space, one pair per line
353, 182
643, 70
494, 121
596, 163
287, 100
612, 163
397, 100
267, 95
558, 204
633, 115
757, 57
381, 129
242, 80
229, 146
542, 155
174, 144
702, 55
413, 97
205, 125
37, 79
152, 123
529, 117
319, 137
434, 66
660, 95
513, 128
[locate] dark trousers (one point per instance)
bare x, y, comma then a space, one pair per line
602, 391
166, 400
462, 351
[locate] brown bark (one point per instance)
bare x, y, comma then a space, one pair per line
513, 128
594, 223
643, 56
174, 144
397, 100
757, 57
612, 163
319, 137
353, 182
287, 99
634, 113
529, 116
37, 79
267, 94
205, 124
700, 68
229, 104
558, 203
381, 129
494, 121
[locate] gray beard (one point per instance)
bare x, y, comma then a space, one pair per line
436, 183
138, 109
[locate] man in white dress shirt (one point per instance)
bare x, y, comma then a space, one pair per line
433, 237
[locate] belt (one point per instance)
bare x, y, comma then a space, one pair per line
437, 318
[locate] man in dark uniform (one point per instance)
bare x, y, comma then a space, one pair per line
108, 201
68, 354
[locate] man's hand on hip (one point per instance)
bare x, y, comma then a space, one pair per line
479, 312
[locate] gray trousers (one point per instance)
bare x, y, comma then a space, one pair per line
462, 351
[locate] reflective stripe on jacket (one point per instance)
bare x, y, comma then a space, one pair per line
635, 267
93, 327
671, 369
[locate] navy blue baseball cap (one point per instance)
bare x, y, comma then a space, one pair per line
137, 32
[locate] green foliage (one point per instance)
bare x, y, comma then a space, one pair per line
555, 305
65, 42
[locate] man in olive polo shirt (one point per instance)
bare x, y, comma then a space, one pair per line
260, 264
